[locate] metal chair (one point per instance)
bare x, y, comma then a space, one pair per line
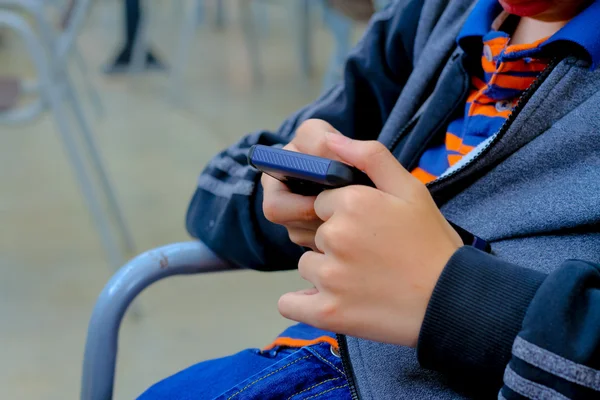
55, 87
101, 347
63, 43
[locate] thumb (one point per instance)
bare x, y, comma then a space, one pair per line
374, 159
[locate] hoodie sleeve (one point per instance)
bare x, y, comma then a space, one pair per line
226, 210
557, 352
492, 325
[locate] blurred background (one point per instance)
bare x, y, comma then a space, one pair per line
192, 77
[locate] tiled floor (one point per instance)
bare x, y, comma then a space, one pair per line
52, 267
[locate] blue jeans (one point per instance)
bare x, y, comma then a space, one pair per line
310, 372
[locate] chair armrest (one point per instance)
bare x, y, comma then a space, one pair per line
103, 330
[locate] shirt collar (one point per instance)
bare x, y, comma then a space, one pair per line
582, 30
479, 22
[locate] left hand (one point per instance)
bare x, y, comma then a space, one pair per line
382, 252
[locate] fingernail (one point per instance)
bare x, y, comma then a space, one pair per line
336, 138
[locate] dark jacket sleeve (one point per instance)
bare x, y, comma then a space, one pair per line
226, 210
492, 326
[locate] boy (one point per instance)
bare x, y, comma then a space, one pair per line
492, 104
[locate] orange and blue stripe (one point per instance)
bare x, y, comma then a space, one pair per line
507, 71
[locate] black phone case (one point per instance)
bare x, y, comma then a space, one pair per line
305, 174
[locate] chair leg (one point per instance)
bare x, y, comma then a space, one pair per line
182, 54
91, 89
252, 37
100, 218
98, 166
52, 95
304, 38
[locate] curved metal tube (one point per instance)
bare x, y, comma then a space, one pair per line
103, 330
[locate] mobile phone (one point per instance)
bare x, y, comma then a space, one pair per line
305, 174
310, 175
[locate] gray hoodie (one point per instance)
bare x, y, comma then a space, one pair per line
520, 322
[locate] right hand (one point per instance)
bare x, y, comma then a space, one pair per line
295, 212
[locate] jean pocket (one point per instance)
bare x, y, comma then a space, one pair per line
309, 373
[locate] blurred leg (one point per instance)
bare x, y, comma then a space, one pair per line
135, 42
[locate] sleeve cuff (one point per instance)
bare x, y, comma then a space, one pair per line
474, 315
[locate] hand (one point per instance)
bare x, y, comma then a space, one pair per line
296, 212
383, 251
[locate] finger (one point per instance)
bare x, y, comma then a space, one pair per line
272, 185
375, 160
281, 206
309, 265
328, 238
301, 306
325, 204
311, 138
303, 237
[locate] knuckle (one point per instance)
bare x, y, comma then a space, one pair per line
328, 233
327, 313
310, 125
376, 148
329, 276
354, 199
334, 237
310, 136
304, 130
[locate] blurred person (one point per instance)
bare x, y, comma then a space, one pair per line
483, 112
121, 63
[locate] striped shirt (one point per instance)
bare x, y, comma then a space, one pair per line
507, 71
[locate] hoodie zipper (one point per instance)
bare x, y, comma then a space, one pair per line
347, 366
523, 99
342, 340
